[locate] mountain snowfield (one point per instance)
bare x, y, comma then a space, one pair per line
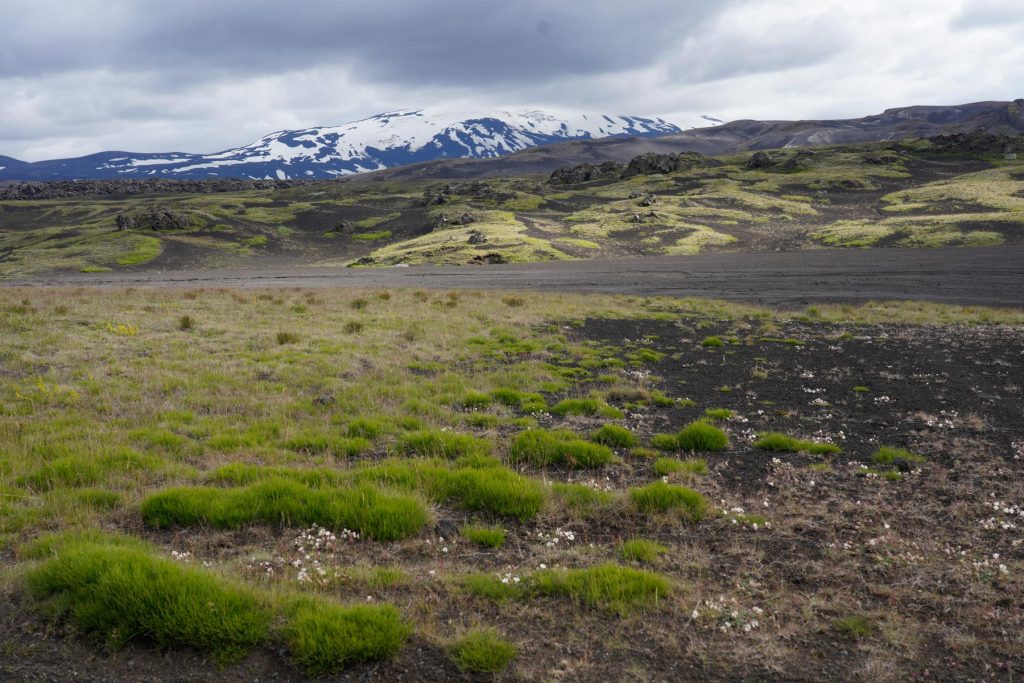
382, 141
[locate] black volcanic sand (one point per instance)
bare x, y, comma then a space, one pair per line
990, 276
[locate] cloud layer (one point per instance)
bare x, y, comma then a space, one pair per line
199, 76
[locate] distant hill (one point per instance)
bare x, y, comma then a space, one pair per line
740, 136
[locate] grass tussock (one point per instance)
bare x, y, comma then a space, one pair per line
585, 406
433, 443
541, 447
663, 497
642, 550
324, 638
702, 436
482, 651
614, 436
489, 537
887, 455
365, 508
783, 443
122, 593
607, 586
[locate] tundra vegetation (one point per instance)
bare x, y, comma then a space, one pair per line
395, 484
914, 193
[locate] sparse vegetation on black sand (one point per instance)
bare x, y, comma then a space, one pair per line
380, 504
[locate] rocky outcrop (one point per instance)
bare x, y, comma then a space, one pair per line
154, 218
128, 188
652, 163
760, 160
584, 173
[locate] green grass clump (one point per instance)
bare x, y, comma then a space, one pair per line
776, 441
474, 400
585, 406
491, 587
665, 442
496, 490
718, 413
856, 626
324, 638
287, 338
666, 466
887, 455
491, 537
662, 497
642, 550
582, 498
526, 402
607, 586
338, 446
482, 651
433, 443
712, 341
368, 427
122, 593
614, 436
702, 436
541, 447
366, 509
861, 389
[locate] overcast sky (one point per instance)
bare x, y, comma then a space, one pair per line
82, 76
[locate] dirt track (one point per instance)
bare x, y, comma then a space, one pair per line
981, 276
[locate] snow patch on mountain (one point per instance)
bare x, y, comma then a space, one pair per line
382, 141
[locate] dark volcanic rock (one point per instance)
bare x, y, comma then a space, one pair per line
760, 160
651, 163
489, 258
583, 173
476, 237
127, 188
154, 218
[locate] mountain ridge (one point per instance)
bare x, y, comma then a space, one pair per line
382, 141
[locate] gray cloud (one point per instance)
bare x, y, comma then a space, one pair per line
463, 42
204, 75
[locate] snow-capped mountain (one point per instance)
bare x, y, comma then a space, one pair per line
382, 141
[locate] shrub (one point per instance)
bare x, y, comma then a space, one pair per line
776, 441
701, 436
718, 413
323, 638
435, 443
541, 447
641, 550
491, 537
121, 593
608, 586
374, 514
886, 455
482, 651
662, 497
614, 436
